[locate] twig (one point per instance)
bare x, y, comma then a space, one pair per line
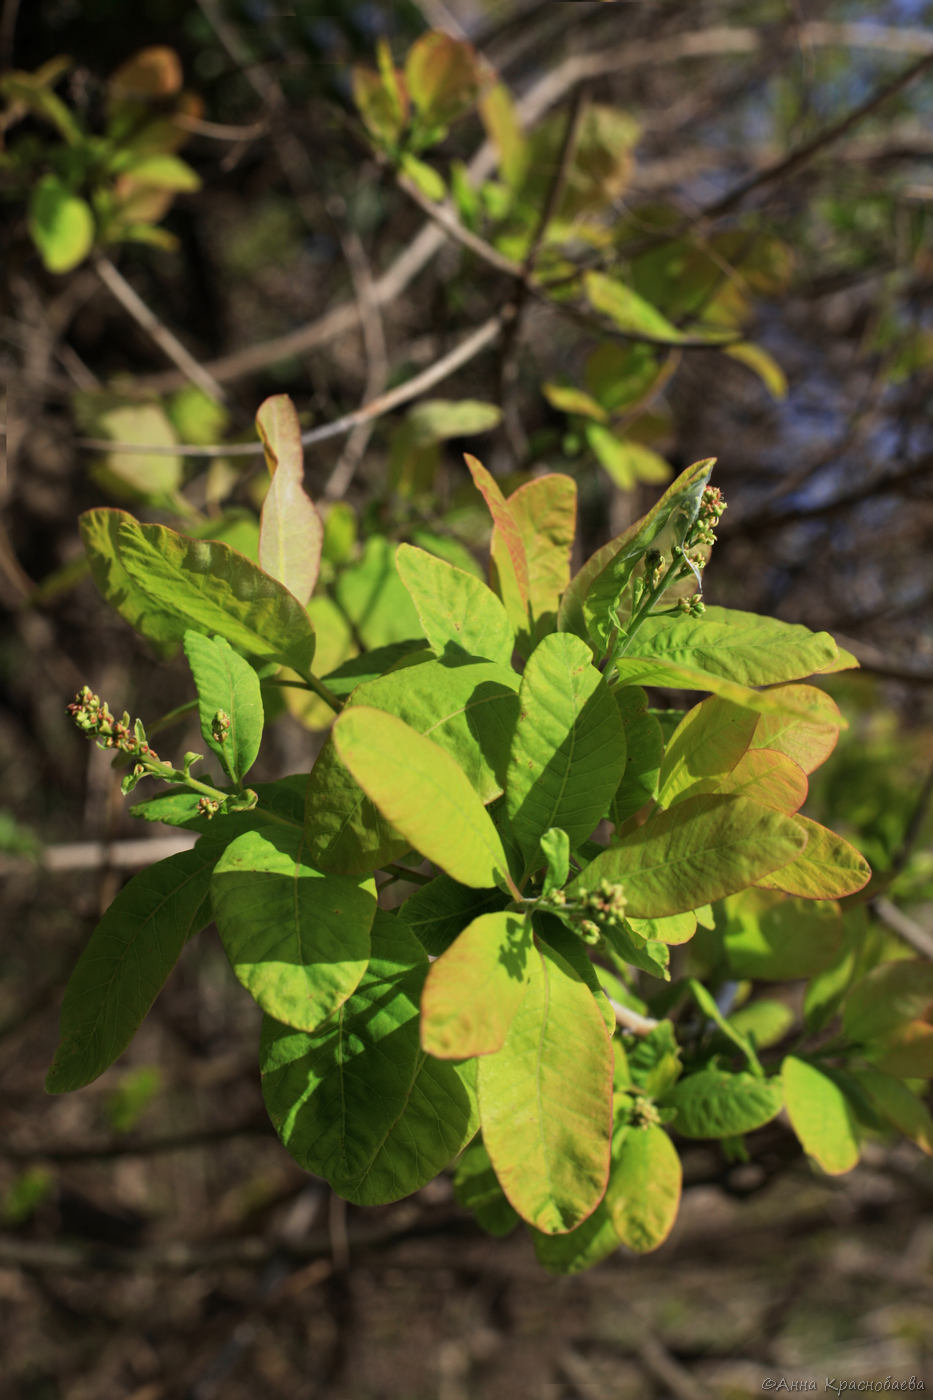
914, 826
461, 354
171, 346
148, 1147
377, 364
631, 1020
101, 855
802, 154
508, 370
904, 926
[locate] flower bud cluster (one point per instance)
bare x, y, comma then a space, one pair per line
220, 726
208, 807
93, 716
643, 1113
606, 904
712, 506
693, 607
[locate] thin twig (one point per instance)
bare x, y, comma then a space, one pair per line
631, 1020
460, 355
377, 364
143, 315
919, 938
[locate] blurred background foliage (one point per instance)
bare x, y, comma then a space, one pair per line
713, 172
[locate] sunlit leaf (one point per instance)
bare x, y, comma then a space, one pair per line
820, 1115
474, 989
229, 702
707, 743
829, 867
455, 609
423, 793
808, 736
546, 1100
291, 532
714, 1104
61, 224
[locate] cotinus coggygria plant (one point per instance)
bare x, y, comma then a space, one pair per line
552, 1009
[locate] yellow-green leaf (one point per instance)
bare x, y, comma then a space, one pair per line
291, 532
475, 988
820, 1115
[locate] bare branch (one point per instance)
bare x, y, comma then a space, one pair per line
145, 317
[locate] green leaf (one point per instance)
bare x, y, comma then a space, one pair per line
595, 591
423, 793
637, 317
886, 998
134, 475
639, 1208
627, 462
764, 1021
374, 599
227, 685
130, 954
424, 177
60, 223
739, 646
644, 743
809, 735
442, 75
546, 1100
163, 172
828, 867
569, 399
345, 832
382, 103
291, 533
544, 513
774, 939
457, 611
372, 664
820, 1115
714, 1104
477, 1189
825, 991
555, 847
474, 990
437, 912
201, 585
468, 707
708, 742
760, 362
568, 751
654, 1060
297, 940
899, 1106
674, 929
360, 1103
438, 420
499, 117
700, 850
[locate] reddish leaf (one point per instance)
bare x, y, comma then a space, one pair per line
508, 571
828, 868
808, 738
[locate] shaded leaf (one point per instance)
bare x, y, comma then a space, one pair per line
892, 1099
374, 599
476, 1187
442, 75
360, 1103
636, 317
771, 938
297, 940
227, 685
713, 1103
886, 998
122, 970
644, 743
437, 912
708, 742
760, 362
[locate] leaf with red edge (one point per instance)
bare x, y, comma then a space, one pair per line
291, 532
806, 737
442, 74
544, 511
508, 572
829, 867
765, 775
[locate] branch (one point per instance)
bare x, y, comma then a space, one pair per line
461, 354
903, 925
172, 347
631, 1020
100, 855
